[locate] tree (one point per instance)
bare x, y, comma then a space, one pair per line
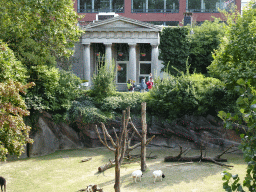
39, 32
235, 58
235, 64
174, 46
14, 134
204, 40
121, 146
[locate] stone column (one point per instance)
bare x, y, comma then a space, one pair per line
110, 5
202, 6
154, 60
108, 54
146, 5
87, 63
132, 62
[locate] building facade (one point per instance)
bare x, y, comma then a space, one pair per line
130, 44
127, 34
158, 12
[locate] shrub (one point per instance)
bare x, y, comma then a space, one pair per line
104, 82
85, 110
174, 45
187, 94
121, 101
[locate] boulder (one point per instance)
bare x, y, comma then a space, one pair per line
50, 137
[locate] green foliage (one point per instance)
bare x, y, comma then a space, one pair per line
245, 116
236, 56
14, 134
234, 63
39, 33
187, 94
121, 101
10, 68
204, 40
85, 110
104, 82
174, 46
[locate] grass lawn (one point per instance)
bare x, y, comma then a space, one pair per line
63, 171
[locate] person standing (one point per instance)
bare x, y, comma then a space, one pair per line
143, 85
129, 85
150, 83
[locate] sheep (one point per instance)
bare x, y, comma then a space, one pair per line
157, 174
136, 174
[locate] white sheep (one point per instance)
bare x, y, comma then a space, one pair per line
136, 174
158, 174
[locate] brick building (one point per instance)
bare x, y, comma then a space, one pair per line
158, 12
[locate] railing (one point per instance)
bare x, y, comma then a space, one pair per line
202, 10
155, 10
117, 10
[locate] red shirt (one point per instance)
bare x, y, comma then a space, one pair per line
149, 84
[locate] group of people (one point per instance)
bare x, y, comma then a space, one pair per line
144, 86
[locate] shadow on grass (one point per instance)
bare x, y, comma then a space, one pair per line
175, 175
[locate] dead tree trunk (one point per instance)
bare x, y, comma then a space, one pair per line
199, 158
143, 137
119, 147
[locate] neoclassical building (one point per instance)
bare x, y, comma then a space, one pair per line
130, 44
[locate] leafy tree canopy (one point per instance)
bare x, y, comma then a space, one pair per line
204, 40
235, 63
174, 47
236, 56
14, 134
39, 33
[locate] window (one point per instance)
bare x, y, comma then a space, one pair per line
94, 6
164, 23
145, 70
122, 52
155, 6
145, 52
99, 56
172, 6
121, 72
209, 5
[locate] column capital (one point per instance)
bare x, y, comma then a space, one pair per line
154, 45
86, 44
108, 44
132, 44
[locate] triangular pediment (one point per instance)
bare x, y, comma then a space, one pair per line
120, 23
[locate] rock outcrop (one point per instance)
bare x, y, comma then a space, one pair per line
188, 131
50, 137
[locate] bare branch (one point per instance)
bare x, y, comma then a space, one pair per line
134, 128
150, 139
115, 132
218, 156
109, 136
130, 139
105, 144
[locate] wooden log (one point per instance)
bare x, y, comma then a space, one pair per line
179, 164
106, 166
193, 159
86, 159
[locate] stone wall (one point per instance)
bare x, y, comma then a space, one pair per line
188, 131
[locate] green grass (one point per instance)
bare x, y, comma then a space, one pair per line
64, 172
